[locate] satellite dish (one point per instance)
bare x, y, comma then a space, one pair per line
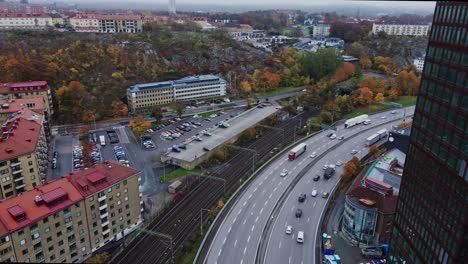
391, 139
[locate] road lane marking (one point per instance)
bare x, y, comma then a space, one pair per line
289, 259
245, 250
248, 240
308, 219
274, 190
242, 261
315, 203
224, 241
229, 231
269, 197
244, 203
294, 168
234, 220
250, 196
256, 219
252, 229
219, 253
235, 243
255, 190
279, 246
244, 221
253, 206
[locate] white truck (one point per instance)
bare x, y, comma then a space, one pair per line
372, 139
382, 133
356, 121
102, 140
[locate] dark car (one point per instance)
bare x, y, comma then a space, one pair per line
298, 213
330, 134
54, 165
55, 154
317, 177
301, 197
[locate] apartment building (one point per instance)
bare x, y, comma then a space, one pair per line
143, 96
13, 106
395, 29
321, 30
25, 21
85, 23
107, 23
58, 221
23, 154
29, 90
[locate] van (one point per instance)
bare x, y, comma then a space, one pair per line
300, 237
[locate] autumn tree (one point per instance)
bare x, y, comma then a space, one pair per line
408, 82
344, 103
394, 93
246, 87
119, 109
72, 102
326, 117
258, 80
349, 171
139, 125
365, 96
156, 112
103, 257
272, 79
369, 82
365, 62
178, 108
331, 107
373, 150
379, 98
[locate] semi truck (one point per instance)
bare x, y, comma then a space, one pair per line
327, 245
383, 133
356, 121
102, 140
297, 151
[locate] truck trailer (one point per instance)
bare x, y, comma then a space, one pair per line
356, 121
372, 139
297, 151
102, 140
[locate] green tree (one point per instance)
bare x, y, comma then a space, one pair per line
326, 117
178, 108
156, 112
323, 62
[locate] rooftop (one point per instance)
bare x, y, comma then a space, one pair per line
34, 205
107, 16
19, 87
19, 137
175, 83
15, 105
99, 177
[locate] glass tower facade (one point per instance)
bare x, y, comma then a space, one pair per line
431, 217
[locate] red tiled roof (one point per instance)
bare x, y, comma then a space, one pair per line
53, 195
27, 84
6, 88
36, 211
16, 210
24, 15
18, 104
30, 115
23, 136
111, 172
107, 16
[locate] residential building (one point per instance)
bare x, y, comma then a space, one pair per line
57, 222
25, 21
107, 23
370, 203
85, 23
317, 43
28, 90
12, 106
431, 217
23, 154
321, 30
16, 7
419, 63
395, 29
143, 96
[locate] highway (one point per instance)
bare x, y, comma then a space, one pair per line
237, 239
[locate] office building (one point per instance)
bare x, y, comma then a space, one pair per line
172, 7
25, 21
65, 220
419, 63
30, 89
23, 154
142, 97
321, 30
431, 215
407, 30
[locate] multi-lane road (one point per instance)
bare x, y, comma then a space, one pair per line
238, 237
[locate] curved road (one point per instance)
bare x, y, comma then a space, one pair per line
238, 237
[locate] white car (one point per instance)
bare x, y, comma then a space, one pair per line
331, 166
333, 137
300, 237
289, 230
164, 134
314, 193
313, 155
393, 112
354, 151
325, 167
339, 163
367, 122
284, 173
383, 117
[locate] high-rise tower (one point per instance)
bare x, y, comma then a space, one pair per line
432, 212
172, 7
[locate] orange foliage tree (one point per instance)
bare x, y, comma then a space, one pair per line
365, 96
119, 109
365, 62
272, 79
379, 98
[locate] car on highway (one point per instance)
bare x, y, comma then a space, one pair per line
367, 122
298, 213
325, 195
383, 117
332, 137
330, 134
314, 193
325, 167
289, 230
339, 163
341, 138
393, 112
301, 197
300, 237
284, 173
313, 155
332, 166
316, 178
354, 151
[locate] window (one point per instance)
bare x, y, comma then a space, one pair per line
62, 251
21, 232
59, 233
49, 239
126, 198
52, 257
118, 194
47, 230
78, 214
110, 189
23, 242
80, 222
31, 170
60, 243
30, 163
25, 252
57, 225
81, 231
91, 198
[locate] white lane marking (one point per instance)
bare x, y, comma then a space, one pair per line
245, 250
224, 241
256, 219
250, 196
263, 190
235, 243
219, 253
274, 190
248, 239
261, 211
244, 203
292, 208
229, 230
294, 167
315, 203
244, 221
255, 189
252, 229
233, 222
279, 246
269, 197
242, 261
276, 167
253, 206
289, 259
308, 219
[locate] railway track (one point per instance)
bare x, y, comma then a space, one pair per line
183, 220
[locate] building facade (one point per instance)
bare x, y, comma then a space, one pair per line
62, 220
419, 63
25, 21
431, 218
407, 30
141, 97
85, 23
31, 89
107, 23
321, 30
23, 155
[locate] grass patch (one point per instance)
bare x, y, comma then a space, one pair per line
207, 114
278, 91
305, 31
176, 174
406, 100
403, 100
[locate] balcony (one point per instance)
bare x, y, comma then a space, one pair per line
20, 186
37, 250
69, 224
36, 240
141, 202
102, 207
65, 215
15, 163
17, 171
71, 241
106, 232
104, 215
18, 179
102, 198
105, 223
40, 259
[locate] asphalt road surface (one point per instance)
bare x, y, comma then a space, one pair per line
238, 237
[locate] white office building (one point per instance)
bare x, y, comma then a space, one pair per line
143, 96
321, 29
407, 30
419, 63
